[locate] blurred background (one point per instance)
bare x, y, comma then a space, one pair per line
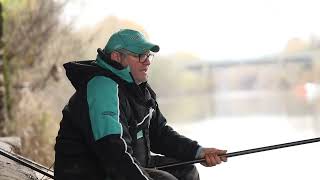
230, 74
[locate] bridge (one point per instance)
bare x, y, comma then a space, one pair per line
305, 58
277, 71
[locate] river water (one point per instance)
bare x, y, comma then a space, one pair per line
235, 130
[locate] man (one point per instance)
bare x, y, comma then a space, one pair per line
112, 123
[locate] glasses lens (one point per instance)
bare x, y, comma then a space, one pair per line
151, 56
144, 57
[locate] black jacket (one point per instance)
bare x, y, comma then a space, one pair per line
119, 140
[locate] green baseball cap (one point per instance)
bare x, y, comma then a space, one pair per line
130, 40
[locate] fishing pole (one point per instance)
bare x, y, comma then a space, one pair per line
25, 162
28, 161
243, 152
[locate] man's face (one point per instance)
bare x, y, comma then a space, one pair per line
139, 66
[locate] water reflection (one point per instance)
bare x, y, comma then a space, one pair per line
282, 104
238, 122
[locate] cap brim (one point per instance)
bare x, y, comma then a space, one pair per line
150, 47
155, 48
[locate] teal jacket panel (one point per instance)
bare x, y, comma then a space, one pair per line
103, 102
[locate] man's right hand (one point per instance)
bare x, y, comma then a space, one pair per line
212, 156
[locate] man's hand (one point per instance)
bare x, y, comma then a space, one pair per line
212, 156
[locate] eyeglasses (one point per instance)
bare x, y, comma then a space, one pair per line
142, 57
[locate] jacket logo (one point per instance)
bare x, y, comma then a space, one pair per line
108, 113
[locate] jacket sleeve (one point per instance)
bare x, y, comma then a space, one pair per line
166, 141
109, 143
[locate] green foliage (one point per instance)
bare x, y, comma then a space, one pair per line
32, 46
12, 7
28, 27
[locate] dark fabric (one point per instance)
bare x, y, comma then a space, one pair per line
188, 172
79, 156
74, 168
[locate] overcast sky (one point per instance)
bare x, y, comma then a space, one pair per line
210, 29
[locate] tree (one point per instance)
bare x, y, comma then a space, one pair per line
36, 42
3, 111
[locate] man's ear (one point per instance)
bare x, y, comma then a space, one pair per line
115, 56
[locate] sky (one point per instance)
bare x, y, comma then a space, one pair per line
210, 29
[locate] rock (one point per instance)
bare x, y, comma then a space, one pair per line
9, 169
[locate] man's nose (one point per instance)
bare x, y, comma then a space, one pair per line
147, 62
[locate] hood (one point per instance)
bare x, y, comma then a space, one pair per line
80, 72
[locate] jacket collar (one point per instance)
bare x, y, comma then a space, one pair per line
124, 73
